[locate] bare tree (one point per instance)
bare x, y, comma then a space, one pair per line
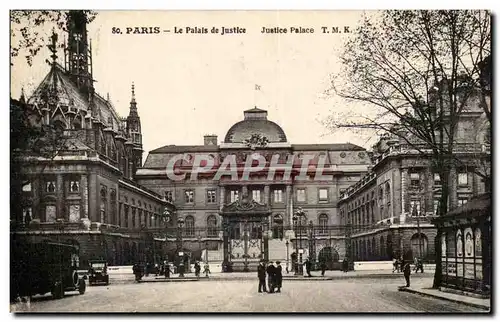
414, 74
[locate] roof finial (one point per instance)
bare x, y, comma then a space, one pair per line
22, 99
53, 46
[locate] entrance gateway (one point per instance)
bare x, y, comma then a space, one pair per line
245, 232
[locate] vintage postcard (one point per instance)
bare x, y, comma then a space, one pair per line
250, 161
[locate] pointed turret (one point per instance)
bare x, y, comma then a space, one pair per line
134, 131
22, 99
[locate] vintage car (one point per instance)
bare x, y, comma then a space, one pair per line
39, 268
98, 272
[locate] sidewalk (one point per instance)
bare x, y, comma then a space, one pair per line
484, 304
329, 275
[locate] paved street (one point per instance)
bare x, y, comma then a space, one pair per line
345, 295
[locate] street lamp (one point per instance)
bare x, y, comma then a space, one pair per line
180, 223
245, 240
287, 255
311, 242
297, 219
199, 245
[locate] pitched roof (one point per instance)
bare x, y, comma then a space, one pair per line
329, 147
185, 148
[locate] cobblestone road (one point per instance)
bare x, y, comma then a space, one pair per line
349, 295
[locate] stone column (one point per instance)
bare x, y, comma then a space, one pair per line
288, 203
404, 195
60, 211
93, 191
266, 195
222, 199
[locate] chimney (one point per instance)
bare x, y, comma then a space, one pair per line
210, 139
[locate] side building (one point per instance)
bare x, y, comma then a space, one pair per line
78, 181
388, 213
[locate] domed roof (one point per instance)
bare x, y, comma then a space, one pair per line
255, 123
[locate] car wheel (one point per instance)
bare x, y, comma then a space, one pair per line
75, 279
82, 287
58, 290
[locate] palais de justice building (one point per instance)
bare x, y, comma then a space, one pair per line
237, 221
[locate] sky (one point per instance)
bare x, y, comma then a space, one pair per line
188, 85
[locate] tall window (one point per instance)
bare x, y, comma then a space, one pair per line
323, 223
437, 179
212, 226
415, 208
74, 186
323, 194
436, 206
125, 224
50, 186
189, 226
189, 196
387, 193
169, 196
301, 195
234, 195
256, 195
211, 196
462, 201
462, 179
278, 195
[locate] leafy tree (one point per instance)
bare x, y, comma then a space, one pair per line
29, 32
415, 73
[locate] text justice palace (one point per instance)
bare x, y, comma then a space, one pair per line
292, 30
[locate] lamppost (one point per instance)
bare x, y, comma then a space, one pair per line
180, 223
245, 241
297, 219
287, 255
310, 238
199, 245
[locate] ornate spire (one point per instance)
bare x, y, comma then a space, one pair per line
53, 46
133, 103
133, 93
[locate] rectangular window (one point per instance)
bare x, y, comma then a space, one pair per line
462, 179
323, 194
301, 195
211, 196
436, 207
415, 208
169, 196
462, 201
50, 186
278, 195
415, 179
256, 195
234, 195
188, 196
437, 179
74, 186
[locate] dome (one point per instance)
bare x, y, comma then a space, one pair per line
255, 123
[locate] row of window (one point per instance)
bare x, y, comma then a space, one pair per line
234, 195
51, 186
416, 179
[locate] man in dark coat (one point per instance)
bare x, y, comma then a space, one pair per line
278, 275
345, 265
308, 267
323, 268
271, 277
406, 272
261, 274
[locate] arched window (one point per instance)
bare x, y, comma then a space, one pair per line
323, 224
278, 226
382, 247
419, 246
189, 224
212, 226
104, 193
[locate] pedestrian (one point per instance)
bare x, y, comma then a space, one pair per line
261, 274
270, 277
407, 272
206, 270
323, 268
345, 265
197, 269
394, 264
278, 276
167, 269
308, 267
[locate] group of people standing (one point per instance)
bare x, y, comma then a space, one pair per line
274, 277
